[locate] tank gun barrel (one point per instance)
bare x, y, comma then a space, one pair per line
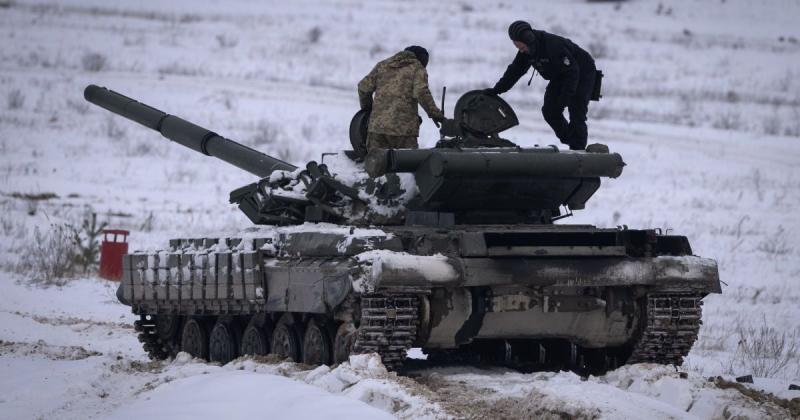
185, 133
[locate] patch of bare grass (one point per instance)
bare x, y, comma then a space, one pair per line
53, 257
765, 352
775, 244
48, 258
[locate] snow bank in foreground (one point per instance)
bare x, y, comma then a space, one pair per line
362, 388
227, 394
247, 388
363, 378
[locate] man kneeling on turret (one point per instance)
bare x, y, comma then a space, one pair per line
399, 83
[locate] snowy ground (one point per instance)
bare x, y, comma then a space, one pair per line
701, 99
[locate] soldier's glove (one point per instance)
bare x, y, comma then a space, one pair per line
491, 91
450, 128
438, 121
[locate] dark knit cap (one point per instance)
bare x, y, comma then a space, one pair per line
516, 29
420, 53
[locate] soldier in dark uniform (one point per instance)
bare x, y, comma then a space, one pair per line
570, 70
399, 84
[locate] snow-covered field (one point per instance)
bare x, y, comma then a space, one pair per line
701, 98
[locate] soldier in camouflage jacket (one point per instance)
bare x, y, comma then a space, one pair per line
399, 83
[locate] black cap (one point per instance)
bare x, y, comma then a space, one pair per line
516, 29
420, 53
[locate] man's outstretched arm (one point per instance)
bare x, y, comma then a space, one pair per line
513, 73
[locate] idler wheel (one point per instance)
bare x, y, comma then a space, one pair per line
257, 337
194, 339
316, 345
343, 343
285, 341
223, 342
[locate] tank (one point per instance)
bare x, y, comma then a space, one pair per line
453, 249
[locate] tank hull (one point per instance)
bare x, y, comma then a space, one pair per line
450, 290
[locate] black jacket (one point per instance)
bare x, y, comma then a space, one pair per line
555, 58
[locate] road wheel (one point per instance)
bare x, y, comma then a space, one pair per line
285, 341
224, 342
257, 337
194, 339
316, 345
343, 343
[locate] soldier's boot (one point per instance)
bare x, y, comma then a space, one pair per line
597, 148
577, 132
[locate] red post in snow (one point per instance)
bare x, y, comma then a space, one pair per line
114, 246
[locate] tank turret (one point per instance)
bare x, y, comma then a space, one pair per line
472, 177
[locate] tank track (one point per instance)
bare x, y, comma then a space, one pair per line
388, 327
671, 324
155, 347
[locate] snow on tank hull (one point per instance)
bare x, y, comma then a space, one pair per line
492, 294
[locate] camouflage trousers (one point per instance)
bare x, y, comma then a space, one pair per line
386, 141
